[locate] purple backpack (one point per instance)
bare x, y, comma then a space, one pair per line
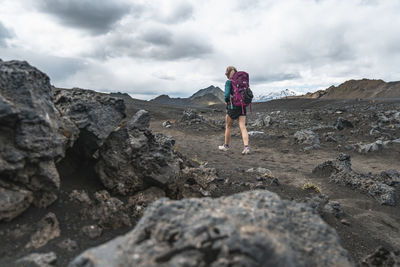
242, 95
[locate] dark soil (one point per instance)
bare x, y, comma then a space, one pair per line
369, 224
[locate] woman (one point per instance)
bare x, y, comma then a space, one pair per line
233, 113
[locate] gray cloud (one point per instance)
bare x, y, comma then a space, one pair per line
155, 43
57, 68
4, 34
183, 48
96, 16
273, 77
158, 37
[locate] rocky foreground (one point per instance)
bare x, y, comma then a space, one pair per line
78, 168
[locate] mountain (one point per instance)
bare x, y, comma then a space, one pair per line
275, 95
204, 97
365, 88
165, 99
216, 91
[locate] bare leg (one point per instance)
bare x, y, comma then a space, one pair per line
228, 127
243, 130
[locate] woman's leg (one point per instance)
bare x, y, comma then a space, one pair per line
243, 130
228, 127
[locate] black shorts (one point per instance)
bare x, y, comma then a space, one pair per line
236, 113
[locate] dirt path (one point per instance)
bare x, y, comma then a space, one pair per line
369, 223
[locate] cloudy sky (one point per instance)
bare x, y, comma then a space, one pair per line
152, 47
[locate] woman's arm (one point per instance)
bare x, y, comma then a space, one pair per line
227, 94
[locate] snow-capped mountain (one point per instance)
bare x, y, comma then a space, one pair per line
274, 95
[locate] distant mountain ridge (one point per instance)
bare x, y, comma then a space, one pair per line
275, 95
210, 90
365, 88
204, 97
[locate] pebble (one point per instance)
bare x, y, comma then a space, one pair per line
345, 222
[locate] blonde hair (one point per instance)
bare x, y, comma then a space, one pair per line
230, 70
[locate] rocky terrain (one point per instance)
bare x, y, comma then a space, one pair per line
364, 88
91, 179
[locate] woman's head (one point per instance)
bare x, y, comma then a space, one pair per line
230, 71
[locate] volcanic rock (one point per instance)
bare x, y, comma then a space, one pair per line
340, 171
257, 134
190, 116
13, 203
48, 229
32, 137
382, 257
255, 228
92, 231
96, 115
110, 212
341, 123
194, 182
138, 202
322, 204
68, 244
306, 137
38, 260
131, 159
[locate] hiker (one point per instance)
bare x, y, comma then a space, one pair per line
233, 113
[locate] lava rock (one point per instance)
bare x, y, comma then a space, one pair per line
341, 123
48, 229
322, 205
268, 121
194, 182
306, 137
80, 196
372, 147
166, 124
190, 116
13, 203
340, 172
257, 134
38, 260
92, 231
110, 212
138, 202
96, 115
132, 159
68, 244
254, 228
29, 118
382, 257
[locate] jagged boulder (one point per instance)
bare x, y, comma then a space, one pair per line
32, 138
110, 212
48, 228
13, 202
254, 228
131, 159
382, 257
190, 116
323, 205
307, 137
341, 123
38, 260
96, 115
378, 186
